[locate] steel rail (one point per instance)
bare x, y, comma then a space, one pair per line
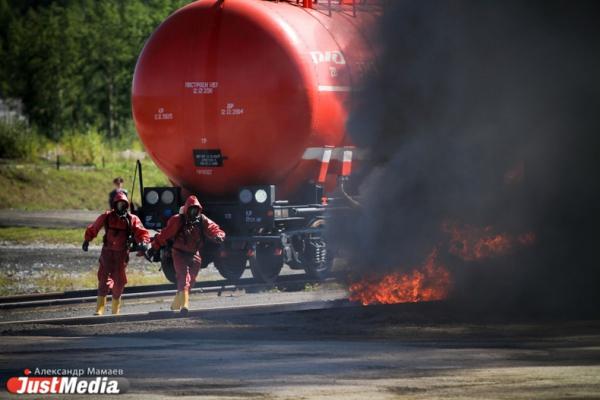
146, 292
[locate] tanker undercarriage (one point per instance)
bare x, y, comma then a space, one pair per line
295, 238
263, 233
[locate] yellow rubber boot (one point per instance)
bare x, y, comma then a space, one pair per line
185, 301
100, 305
116, 306
176, 304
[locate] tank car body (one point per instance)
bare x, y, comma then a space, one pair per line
244, 103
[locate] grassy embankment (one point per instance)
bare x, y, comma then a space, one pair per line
40, 186
89, 161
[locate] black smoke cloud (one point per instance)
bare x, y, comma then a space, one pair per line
463, 92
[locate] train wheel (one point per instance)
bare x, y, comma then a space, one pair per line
232, 265
318, 260
166, 265
209, 253
266, 262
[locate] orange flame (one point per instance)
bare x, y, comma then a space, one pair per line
432, 280
429, 282
474, 244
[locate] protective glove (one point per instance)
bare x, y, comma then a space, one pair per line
141, 249
85, 245
219, 239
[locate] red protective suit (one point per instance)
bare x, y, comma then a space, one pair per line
188, 240
115, 254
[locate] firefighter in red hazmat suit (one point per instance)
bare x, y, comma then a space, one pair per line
121, 229
188, 232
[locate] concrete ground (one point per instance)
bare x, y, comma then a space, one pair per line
410, 351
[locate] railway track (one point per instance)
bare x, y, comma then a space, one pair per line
285, 282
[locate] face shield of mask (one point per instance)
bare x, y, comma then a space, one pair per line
121, 207
193, 212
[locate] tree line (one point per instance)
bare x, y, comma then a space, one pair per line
71, 62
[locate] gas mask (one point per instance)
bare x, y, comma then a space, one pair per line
121, 207
193, 213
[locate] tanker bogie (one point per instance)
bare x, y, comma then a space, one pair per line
263, 233
309, 251
318, 260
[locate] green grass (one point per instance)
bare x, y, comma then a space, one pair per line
42, 187
26, 235
5, 283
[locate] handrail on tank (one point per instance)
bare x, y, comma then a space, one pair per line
353, 3
328, 7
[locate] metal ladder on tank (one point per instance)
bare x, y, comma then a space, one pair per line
309, 4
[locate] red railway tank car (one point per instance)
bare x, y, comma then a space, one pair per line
244, 103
